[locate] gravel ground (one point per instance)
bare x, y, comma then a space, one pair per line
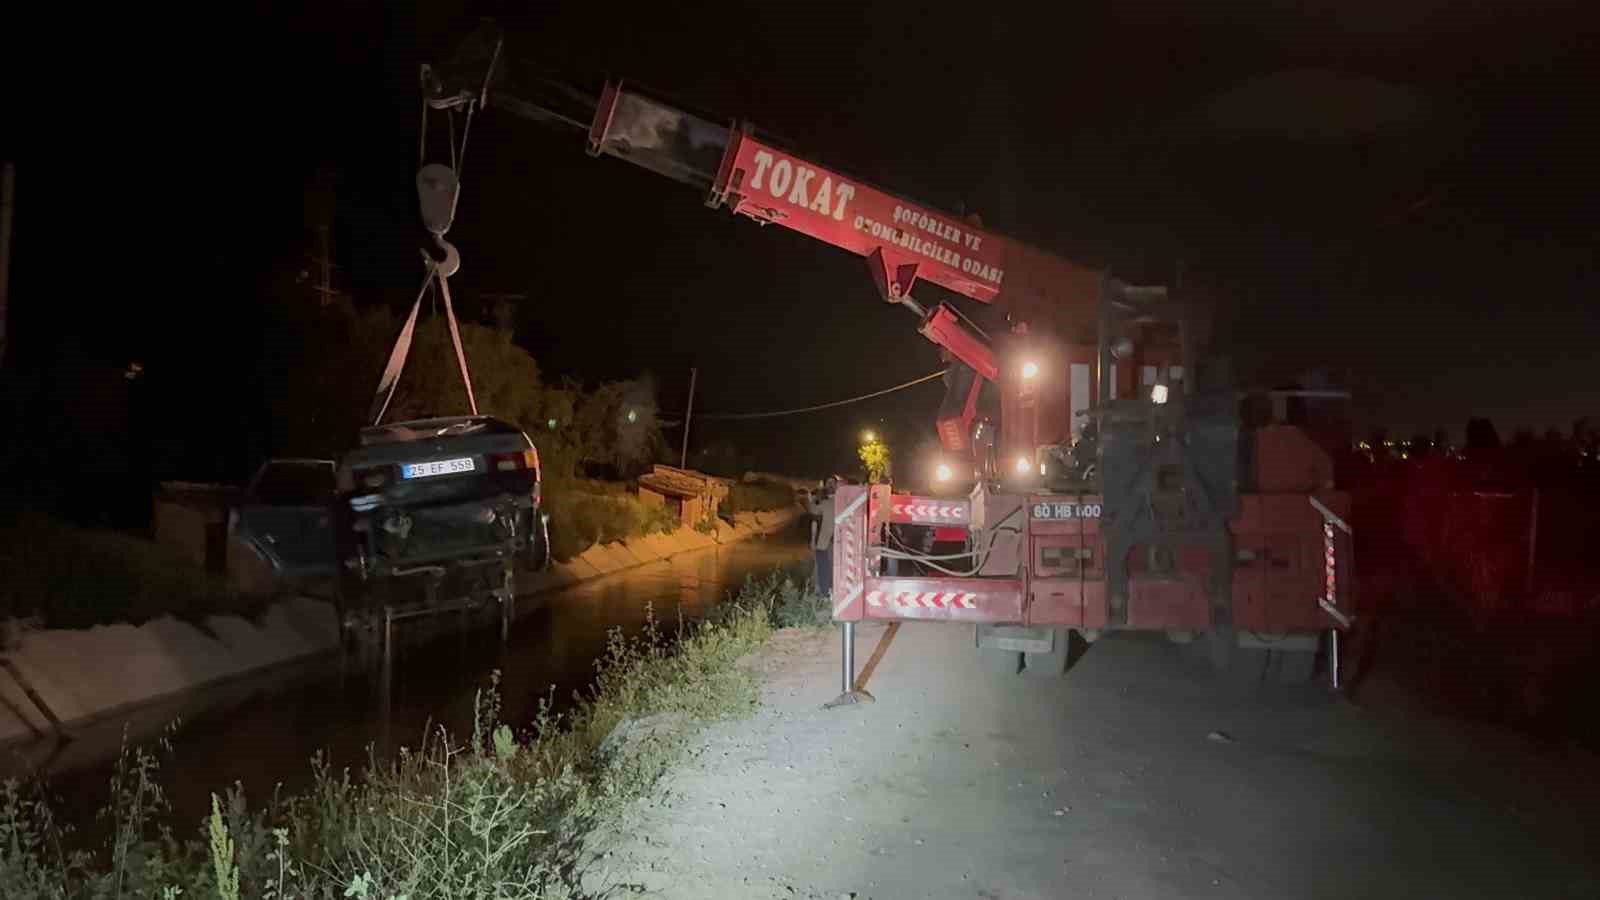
1139, 774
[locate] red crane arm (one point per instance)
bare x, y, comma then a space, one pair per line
903, 240
767, 184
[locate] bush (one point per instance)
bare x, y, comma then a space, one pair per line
757, 496
795, 602
580, 518
492, 816
76, 577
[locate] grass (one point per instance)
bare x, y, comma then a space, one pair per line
757, 496
582, 514
68, 577
493, 815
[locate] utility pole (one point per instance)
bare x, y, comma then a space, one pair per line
8, 197
683, 458
319, 203
325, 285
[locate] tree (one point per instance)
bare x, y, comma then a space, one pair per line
317, 372
617, 425
320, 368
874, 456
506, 382
1481, 435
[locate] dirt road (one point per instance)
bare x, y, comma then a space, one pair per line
1106, 783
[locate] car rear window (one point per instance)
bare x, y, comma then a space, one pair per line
433, 428
294, 484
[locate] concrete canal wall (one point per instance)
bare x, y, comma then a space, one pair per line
53, 679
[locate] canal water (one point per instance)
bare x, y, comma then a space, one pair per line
262, 732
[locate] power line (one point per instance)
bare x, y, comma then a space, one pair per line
820, 406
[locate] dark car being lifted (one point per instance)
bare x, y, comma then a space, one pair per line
441, 497
450, 504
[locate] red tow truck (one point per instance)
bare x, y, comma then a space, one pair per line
1115, 488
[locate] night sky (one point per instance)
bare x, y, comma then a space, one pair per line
1402, 193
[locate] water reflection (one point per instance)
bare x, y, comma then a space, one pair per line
262, 734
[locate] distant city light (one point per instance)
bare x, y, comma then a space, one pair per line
633, 416
550, 424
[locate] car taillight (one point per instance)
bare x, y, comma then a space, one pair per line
513, 462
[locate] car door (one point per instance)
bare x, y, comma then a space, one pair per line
286, 516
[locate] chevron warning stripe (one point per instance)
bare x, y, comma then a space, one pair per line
924, 599
909, 510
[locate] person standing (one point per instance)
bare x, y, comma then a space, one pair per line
821, 508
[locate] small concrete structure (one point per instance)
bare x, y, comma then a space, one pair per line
692, 496
192, 518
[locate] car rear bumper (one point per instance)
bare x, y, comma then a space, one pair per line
401, 540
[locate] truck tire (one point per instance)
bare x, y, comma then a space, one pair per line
1221, 649
1000, 662
1053, 664
1291, 666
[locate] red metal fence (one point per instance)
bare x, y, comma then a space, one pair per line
1476, 535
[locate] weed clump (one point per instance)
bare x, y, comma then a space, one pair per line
581, 517
490, 815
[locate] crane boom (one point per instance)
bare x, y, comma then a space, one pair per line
757, 177
904, 241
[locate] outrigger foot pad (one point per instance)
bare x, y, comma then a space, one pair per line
850, 698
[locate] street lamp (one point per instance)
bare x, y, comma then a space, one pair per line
868, 437
1030, 370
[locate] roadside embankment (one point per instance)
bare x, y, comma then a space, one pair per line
502, 812
607, 559
53, 679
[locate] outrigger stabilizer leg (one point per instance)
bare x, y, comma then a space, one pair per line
849, 694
